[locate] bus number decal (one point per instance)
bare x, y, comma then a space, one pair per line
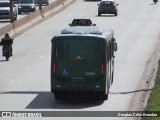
90, 73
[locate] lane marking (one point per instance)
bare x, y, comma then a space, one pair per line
11, 81
42, 56
28, 68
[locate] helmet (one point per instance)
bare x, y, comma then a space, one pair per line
7, 35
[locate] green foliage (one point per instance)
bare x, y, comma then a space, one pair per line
154, 99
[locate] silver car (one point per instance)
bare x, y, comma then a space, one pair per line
5, 10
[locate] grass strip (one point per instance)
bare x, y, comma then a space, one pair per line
154, 99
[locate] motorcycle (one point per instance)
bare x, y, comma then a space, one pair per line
7, 52
155, 1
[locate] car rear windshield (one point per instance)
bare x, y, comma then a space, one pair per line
26, 1
107, 3
81, 22
4, 4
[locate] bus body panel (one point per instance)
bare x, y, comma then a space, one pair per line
78, 62
82, 63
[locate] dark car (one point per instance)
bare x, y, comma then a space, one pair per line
16, 1
46, 2
5, 10
26, 6
82, 22
107, 7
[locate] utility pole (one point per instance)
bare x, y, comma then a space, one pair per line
40, 6
11, 11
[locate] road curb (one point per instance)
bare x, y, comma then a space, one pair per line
146, 84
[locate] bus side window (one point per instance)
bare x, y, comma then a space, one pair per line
109, 51
112, 48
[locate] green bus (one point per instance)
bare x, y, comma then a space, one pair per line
82, 61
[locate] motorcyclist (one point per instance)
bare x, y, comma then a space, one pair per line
155, 1
7, 40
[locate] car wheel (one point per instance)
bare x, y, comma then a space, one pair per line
101, 96
116, 14
99, 14
19, 12
64, 95
34, 10
57, 95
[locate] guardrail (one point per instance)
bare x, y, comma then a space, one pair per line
32, 18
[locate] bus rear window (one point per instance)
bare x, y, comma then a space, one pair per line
83, 48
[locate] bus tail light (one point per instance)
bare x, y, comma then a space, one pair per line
102, 69
54, 69
102, 72
54, 63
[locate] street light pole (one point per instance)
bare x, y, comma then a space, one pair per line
11, 11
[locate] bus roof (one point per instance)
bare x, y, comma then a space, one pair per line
108, 0
82, 30
91, 31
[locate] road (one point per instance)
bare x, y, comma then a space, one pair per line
25, 79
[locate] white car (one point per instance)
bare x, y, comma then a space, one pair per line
5, 10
